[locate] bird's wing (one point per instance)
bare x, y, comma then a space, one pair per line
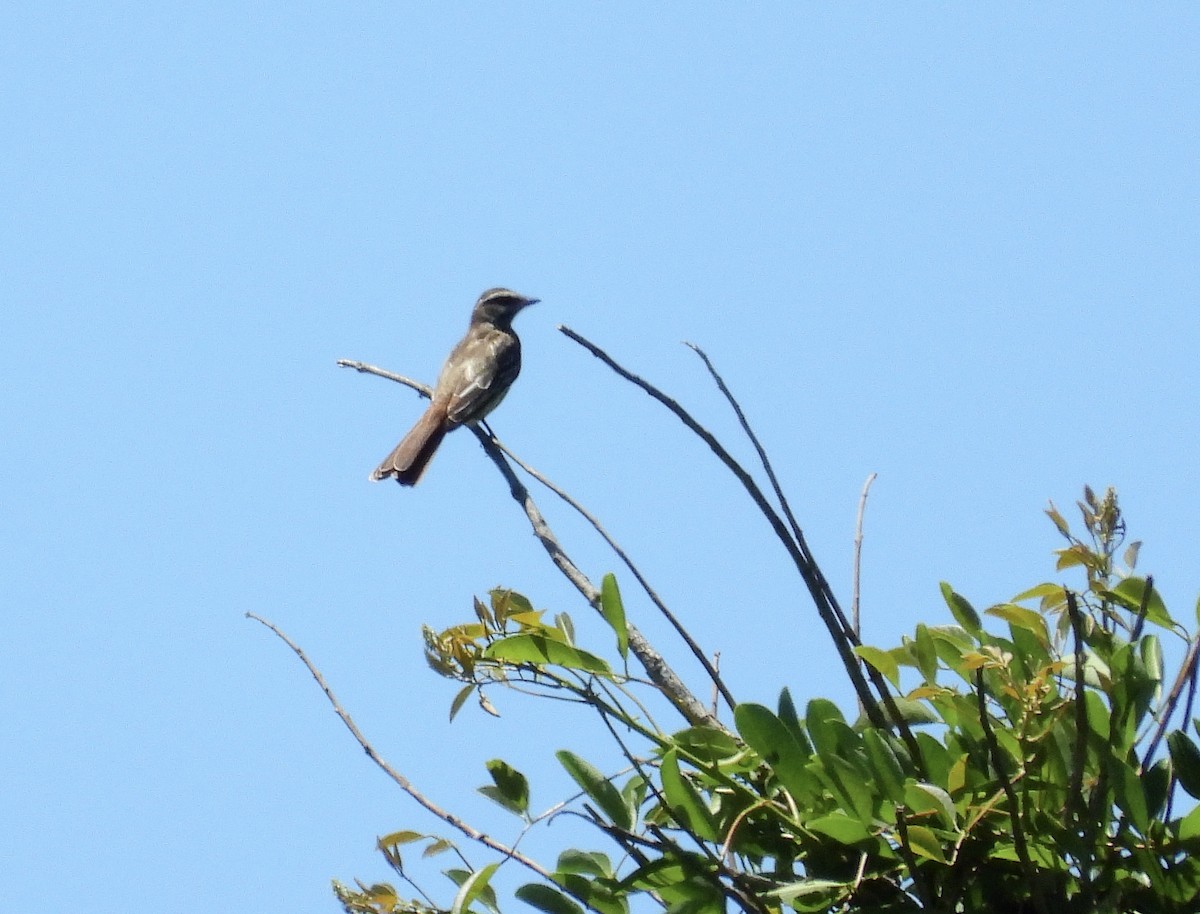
478, 373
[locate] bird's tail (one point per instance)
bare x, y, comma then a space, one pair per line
408, 461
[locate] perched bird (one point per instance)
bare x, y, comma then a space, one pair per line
475, 378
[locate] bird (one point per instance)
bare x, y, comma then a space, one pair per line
476, 376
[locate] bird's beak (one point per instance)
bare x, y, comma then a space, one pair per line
530, 301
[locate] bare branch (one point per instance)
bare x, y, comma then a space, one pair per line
449, 818
1186, 678
712, 671
797, 532
858, 541
655, 666
762, 453
810, 573
363, 368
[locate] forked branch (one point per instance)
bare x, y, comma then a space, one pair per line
826, 604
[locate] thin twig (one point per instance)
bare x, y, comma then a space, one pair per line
797, 532
810, 572
1185, 678
449, 818
755, 493
656, 667
716, 664
855, 619
745, 423
713, 673
363, 368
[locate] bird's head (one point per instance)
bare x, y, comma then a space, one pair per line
499, 307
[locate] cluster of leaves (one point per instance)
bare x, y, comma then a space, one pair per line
1037, 780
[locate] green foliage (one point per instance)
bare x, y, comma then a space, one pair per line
1046, 776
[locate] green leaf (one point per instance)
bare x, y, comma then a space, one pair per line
1132, 591
791, 720
685, 801
936, 757
463, 694
926, 651
1020, 617
437, 846
542, 651
565, 626
547, 898
1130, 796
839, 827
511, 788
1155, 781
913, 711
767, 735
400, 837
1130, 556
599, 895
924, 843
795, 890
963, 612
613, 611
822, 717
952, 641
881, 660
1059, 521
924, 797
1098, 716
1189, 827
1152, 658
1185, 758
889, 775
506, 602
1041, 591
633, 793
473, 887
852, 786
708, 744
588, 863
597, 787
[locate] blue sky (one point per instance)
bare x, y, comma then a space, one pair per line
953, 245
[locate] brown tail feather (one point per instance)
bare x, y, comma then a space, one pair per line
408, 461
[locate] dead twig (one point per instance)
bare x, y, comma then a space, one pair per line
404, 783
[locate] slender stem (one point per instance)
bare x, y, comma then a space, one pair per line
822, 595
781, 531
656, 667
698, 652
858, 541
373, 754
1185, 678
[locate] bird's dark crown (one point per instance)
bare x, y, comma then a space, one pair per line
499, 306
